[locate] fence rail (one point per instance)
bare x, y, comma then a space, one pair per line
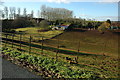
19, 39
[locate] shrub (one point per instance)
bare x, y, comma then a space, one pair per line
49, 64
103, 27
44, 25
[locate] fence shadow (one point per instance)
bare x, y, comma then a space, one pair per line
68, 52
76, 30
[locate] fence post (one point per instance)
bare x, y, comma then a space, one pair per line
78, 51
42, 46
12, 39
104, 49
6, 40
57, 51
30, 44
20, 40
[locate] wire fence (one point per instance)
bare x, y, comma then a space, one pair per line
25, 44
28, 44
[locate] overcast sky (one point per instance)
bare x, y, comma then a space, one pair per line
92, 9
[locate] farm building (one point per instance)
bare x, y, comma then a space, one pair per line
61, 27
115, 25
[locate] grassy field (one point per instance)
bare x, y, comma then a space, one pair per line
33, 31
107, 67
88, 41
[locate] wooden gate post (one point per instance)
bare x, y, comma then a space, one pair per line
104, 49
30, 44
78, 52
12, 39
6, 40
42, 46
20, 40
57, 51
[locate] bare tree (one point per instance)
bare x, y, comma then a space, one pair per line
38, 14
18, 11
11, 15
14, 12
55, 13
25, 12
32, 14
1, 14
6, 12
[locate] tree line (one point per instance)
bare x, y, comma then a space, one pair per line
13, 13
15, 18
55, 13
45, 12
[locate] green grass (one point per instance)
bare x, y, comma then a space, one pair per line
36, 35
28, 29
105, 66
90, 41
60, 68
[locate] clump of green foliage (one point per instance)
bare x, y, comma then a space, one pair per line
44, 25
60, 68
104, 26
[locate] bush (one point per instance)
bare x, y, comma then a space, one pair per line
21, 23
71, 27
44, 25
103, 27
7, 24
90, 25
49, 64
